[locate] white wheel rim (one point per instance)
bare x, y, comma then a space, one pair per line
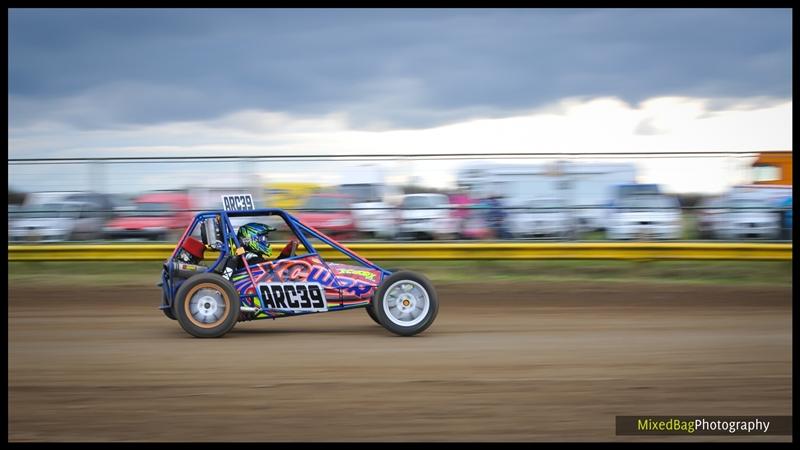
207, 306
406, 303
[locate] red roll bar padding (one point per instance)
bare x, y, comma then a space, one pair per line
194, 247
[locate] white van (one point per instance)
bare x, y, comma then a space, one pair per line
426, 216
585, 189
645, 216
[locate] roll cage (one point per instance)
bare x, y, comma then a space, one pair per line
224, 236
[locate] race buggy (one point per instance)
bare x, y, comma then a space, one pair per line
209, 284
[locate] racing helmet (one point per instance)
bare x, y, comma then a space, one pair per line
253, 237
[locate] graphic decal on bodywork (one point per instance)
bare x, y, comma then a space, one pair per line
297, 297
366, 274
343, 286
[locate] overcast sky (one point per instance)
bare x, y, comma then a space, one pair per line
136, 82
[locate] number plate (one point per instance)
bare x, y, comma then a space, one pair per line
239, 202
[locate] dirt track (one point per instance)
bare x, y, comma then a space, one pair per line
511, 363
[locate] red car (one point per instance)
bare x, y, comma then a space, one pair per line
331, 214
157, 216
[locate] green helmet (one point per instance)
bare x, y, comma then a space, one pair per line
253, 237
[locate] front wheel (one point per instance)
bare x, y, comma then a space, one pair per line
371, 313
406, 303
206, 306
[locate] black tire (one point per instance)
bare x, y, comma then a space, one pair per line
167, 312
371, 307
225, 295
380, 306
371, 314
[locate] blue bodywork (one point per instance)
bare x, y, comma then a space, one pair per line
301, 231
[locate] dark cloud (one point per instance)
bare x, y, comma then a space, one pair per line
400, 68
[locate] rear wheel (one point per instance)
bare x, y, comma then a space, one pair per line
167, 312
206, 306
406, 303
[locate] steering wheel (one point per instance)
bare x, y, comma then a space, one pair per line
289, 250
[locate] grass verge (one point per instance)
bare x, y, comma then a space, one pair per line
776, 273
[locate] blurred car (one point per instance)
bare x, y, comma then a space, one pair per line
747, 218
371, 207
40, 198
56, 222
546, 219
425, 216
105, 202
645, 216
156, 216
330, 213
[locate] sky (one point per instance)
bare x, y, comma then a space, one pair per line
86, 83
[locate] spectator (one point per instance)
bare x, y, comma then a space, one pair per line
496, 216
461, 200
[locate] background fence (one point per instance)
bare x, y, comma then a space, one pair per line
511, 197
444, 251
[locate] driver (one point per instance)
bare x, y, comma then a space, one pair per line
253, 238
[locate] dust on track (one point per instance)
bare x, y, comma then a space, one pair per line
515, 362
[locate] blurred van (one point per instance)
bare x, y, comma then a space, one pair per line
288, 195
772, 168
372, 205
768, 192
545, 218
40, 198
747, 218
645, 216
426, 216
586, 189
106, 203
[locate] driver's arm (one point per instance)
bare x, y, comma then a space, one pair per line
289, 250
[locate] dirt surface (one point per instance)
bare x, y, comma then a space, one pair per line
520, 362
